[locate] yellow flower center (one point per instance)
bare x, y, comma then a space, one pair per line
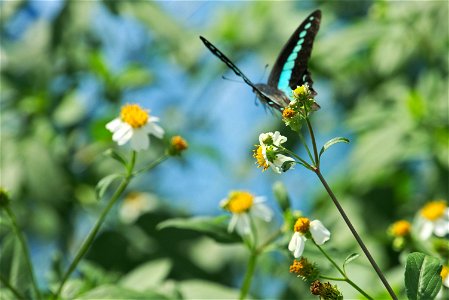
260, 160
134, 115
400, 228
302, 225
303, 268
433, 210
444, 272
239, 202
288, 113
300, 91
179, 144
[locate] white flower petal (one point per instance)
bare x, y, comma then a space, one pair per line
154, 129
114, 125
320, 234
140, 140
233, 222
243, 226
293, 241
426, 229
262, 211
278, 139
123, 134
441, 227
297, 244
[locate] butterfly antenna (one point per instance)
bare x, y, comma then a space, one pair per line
230, 79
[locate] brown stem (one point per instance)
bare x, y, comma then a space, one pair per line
356, 235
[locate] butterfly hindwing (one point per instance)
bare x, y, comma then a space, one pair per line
290, 68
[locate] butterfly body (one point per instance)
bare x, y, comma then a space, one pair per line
290, 69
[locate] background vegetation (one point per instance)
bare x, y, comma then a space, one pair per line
381, 72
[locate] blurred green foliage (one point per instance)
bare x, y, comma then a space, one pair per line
386, 64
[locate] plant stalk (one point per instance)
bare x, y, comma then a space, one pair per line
26, 251
92, 234
356, 235
248, 276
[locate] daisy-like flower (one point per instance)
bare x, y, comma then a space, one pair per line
134, 124
445, 276
267, 153
243, 206
306, 229
400, 228
304, 269
434, 218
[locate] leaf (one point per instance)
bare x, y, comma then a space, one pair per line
110, 291
215, 228
117, 156
331, 142
202, 289
146, 276
349, 259
422, 276
104, 183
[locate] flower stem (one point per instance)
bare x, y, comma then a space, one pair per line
10, 287
92, 234
249, 275
152, 164
26, 251
307, 149
356, 235
345, 277
312, 137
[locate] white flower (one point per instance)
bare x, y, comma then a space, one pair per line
268, 153
433, 219
243, 206
303, 226
135, 125
270, 138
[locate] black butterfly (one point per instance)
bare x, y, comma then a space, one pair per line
290, 69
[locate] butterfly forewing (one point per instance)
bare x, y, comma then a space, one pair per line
290, 68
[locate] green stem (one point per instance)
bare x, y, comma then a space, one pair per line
25, 249
356, 235
92, 234
248, 276
312, 137
301, 161
307, 149
10, 287
332, 278
342, 273
269, 241
152, 164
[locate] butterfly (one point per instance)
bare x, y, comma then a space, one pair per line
289, 70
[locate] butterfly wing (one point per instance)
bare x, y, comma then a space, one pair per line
227, 61
263, 91
290, 68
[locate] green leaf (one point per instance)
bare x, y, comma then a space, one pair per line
202, 289
116, 155
349, 259
215, 228
422, 276
110, 291
281, 195
104, 183
146, 276
331, 142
